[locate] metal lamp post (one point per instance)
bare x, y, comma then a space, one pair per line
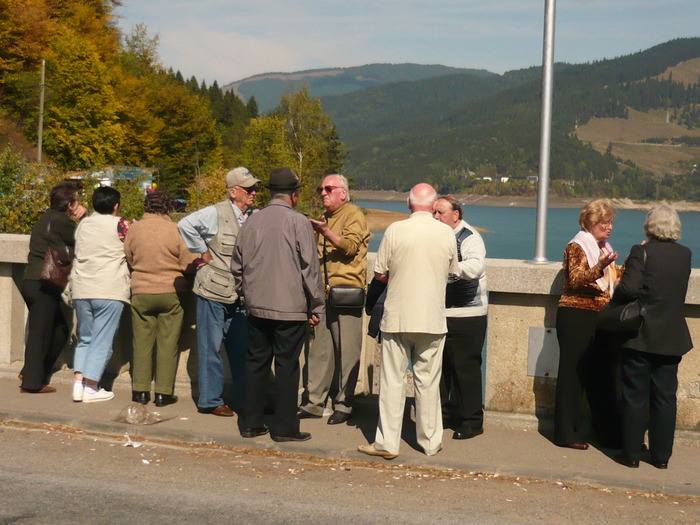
545, 134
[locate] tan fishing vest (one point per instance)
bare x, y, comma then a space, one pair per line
214, 281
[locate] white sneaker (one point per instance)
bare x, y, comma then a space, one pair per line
95, 396
78, 388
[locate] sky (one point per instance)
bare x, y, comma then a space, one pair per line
229, 40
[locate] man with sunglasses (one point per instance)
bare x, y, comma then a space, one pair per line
212, 232
342, 237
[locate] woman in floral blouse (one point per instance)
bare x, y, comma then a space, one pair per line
584, 364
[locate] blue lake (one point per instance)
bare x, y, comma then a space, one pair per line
511, 232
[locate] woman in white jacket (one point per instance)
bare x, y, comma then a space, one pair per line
100, 289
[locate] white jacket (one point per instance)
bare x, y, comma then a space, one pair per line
99, 269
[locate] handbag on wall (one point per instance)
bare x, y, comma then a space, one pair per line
54, 271
342, 296
623, 317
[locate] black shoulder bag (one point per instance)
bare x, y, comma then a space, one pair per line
341, 296
623, 317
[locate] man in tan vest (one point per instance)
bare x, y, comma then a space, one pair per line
212, 232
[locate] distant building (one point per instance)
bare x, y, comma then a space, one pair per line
504, 179
532, 179
107, 176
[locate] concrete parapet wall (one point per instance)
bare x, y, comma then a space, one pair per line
523, 300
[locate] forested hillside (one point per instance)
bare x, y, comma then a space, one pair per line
405, 132
110, 101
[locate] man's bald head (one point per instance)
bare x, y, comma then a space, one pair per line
422, 197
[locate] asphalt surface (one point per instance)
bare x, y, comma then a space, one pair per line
511, 445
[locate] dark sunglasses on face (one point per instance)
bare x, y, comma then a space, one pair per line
327, 189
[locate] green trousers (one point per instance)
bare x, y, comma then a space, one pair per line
156, 319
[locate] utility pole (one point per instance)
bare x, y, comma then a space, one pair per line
41, 110
545, 133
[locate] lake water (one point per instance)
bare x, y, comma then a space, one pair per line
512, 230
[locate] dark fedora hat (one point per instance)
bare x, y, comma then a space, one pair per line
283, 179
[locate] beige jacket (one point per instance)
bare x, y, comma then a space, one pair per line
99, 268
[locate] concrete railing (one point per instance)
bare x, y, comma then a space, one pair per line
521, 352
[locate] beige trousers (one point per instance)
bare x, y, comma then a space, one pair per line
424, 352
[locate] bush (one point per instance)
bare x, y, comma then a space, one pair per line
24, 192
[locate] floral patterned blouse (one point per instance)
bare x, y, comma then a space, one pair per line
580, 287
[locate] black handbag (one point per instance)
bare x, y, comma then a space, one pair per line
623, 317
341, 296
346, 296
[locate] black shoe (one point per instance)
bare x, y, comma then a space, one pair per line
165, 399
141, 397
254, 432
467, 432
303, 414
338, 417
659, 463
627, 462
299, 436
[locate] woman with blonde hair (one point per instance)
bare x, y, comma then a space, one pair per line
589, 278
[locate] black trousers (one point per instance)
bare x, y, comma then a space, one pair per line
283, 341
649, 385
47, 333
587, 363
460, 384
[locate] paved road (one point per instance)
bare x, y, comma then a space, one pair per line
54, 474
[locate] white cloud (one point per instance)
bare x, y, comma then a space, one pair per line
228, 40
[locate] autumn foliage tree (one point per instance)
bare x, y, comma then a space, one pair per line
109, 100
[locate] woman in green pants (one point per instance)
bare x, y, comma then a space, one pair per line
158, 258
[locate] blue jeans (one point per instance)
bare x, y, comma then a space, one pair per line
217, 323
98, 320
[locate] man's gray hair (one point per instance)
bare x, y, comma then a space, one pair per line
343, 183
283, 194
663, 223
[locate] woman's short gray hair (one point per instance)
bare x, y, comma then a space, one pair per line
663, 223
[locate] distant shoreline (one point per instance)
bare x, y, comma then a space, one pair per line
522, 202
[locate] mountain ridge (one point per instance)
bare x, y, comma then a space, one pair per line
267, 88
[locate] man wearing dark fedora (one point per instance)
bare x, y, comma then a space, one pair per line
276, 269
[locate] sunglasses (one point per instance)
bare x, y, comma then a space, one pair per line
327, 189
252, 189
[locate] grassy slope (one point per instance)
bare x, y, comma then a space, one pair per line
626, 135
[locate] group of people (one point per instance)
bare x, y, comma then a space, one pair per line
114, 264
264, 277
629, 377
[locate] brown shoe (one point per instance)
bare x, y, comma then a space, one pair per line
46, 389
221, 411
371, 450
577, 445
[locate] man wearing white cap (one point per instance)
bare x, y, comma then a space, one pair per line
212, 232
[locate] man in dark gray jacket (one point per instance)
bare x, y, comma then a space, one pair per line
275, 266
